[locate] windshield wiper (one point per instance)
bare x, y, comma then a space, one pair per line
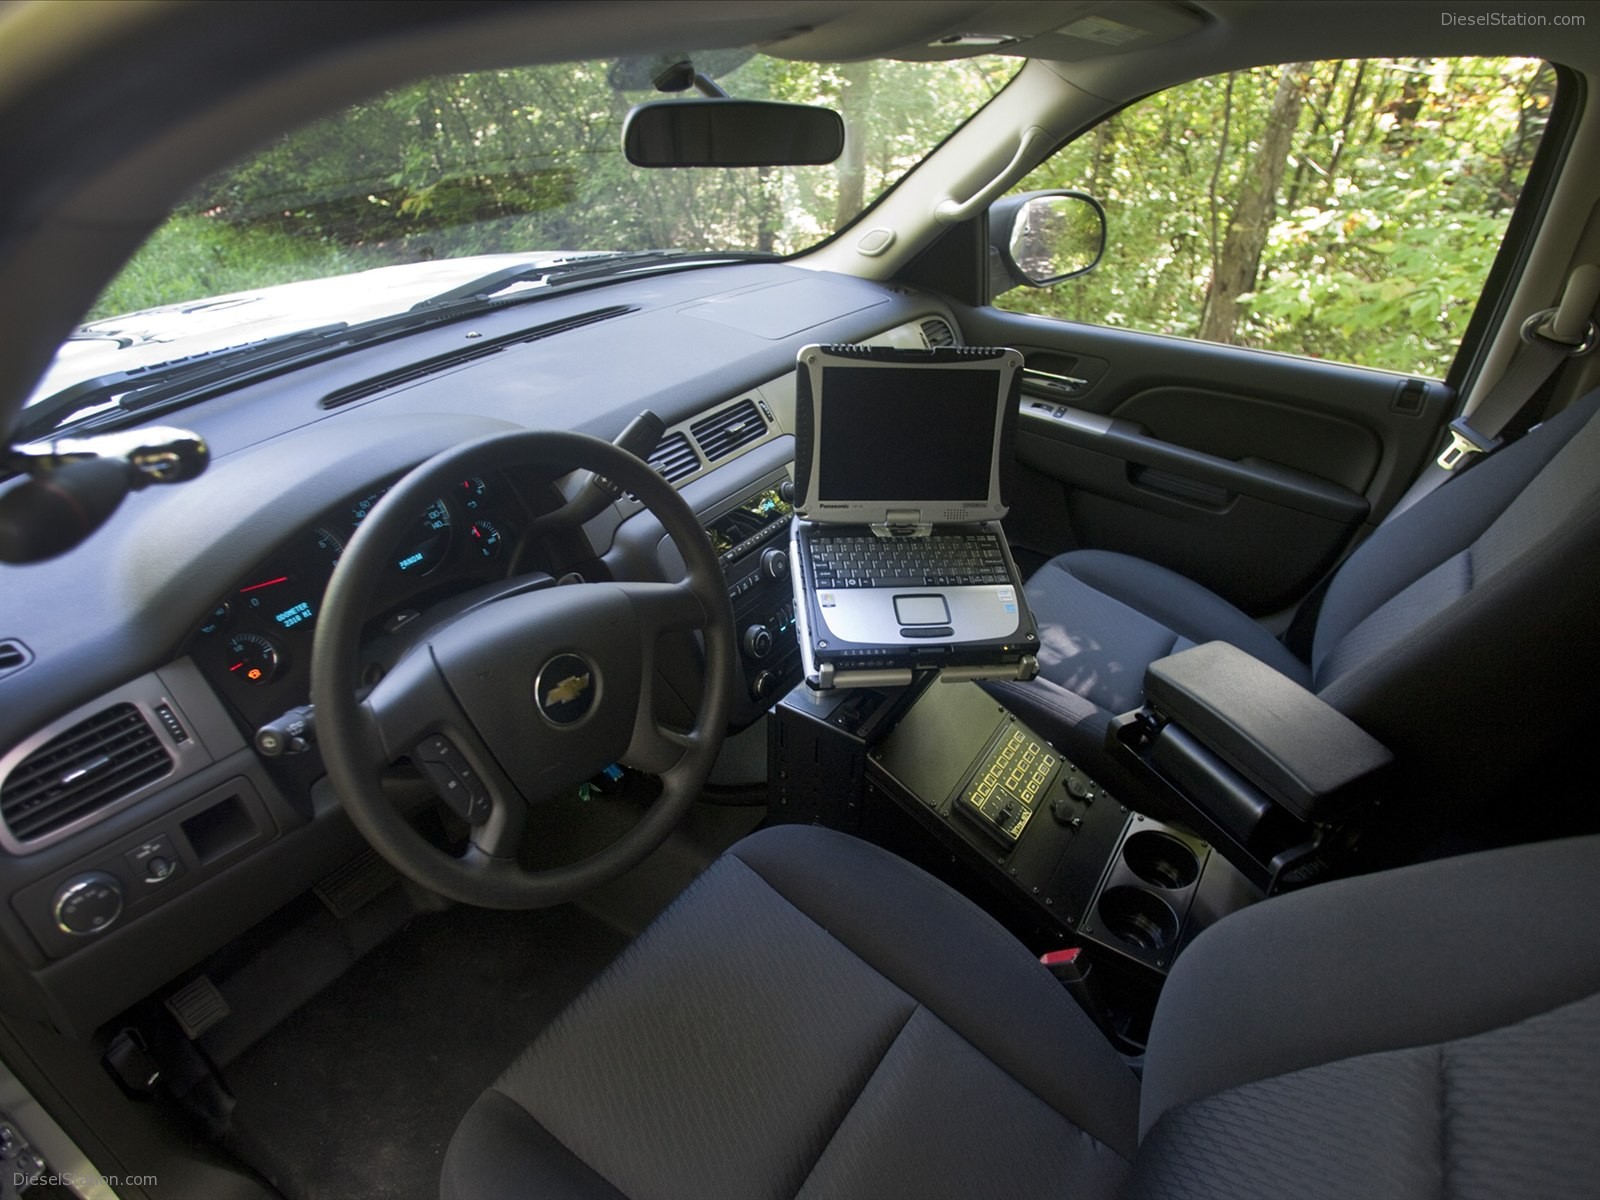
141, 387
591, 266
483, 292
108, 401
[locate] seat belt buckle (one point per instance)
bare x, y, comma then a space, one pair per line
1069, 965
1464, 441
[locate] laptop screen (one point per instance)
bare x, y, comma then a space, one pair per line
906, 435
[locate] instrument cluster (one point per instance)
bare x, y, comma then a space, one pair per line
255, 644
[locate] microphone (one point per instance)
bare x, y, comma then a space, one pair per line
77, 483
51, 513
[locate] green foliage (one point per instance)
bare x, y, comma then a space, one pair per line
530, 159
190, 257
1400, 181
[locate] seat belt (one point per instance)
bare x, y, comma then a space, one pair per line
1549, 338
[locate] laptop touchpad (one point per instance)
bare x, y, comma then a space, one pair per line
921, 610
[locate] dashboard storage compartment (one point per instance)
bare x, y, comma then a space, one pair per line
220, 828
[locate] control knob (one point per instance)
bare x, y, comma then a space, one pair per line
758, 641
87, 903
763, 685
775, 563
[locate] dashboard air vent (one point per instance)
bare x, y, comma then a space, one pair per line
723, 432
13, 656
390, 380
674, 457
936, 332
95, 763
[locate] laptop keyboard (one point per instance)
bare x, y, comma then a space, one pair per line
941, 560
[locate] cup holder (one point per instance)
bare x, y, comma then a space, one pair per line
1138, 917
1161, 860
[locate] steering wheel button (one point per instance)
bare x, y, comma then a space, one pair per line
433, 749
454, 781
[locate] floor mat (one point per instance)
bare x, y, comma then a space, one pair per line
356, 1095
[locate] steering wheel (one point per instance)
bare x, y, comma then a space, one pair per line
520, 700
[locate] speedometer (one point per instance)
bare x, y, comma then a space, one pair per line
425, 548
424, 545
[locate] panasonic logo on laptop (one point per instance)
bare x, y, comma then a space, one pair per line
825, 504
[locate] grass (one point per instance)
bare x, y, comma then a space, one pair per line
193, 257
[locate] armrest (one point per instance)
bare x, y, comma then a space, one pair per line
1303, 753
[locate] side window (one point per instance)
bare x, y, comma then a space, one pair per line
1346, 210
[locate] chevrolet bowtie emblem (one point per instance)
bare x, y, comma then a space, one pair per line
567, 690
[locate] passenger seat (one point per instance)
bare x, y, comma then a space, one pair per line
1463, 634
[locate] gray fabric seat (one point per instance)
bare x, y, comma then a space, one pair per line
1460, 634
815, 1017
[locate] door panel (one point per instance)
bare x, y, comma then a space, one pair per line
1247, 471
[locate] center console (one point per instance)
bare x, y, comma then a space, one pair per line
750, 535
944, 774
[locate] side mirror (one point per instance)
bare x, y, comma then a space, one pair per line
1041, 238
731, 133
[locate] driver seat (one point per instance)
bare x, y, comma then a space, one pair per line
815, 1017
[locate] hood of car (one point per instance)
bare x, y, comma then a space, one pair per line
174, 331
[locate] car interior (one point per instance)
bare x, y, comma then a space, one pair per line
415, 774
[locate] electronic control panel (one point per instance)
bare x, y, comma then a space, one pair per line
1011, 778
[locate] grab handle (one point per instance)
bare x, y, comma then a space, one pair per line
949, 211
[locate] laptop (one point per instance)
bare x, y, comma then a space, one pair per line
902, 462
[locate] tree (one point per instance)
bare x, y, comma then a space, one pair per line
1380, 222
855, 103
1239, 260
529, 159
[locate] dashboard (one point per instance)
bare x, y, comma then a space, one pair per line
191, 614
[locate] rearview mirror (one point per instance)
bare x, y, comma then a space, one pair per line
1041, 238
731, 133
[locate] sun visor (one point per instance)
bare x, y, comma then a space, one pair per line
1046, 29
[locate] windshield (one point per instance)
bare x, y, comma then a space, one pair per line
433, 186
529, 160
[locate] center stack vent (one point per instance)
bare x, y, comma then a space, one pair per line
673, 458
723, 432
